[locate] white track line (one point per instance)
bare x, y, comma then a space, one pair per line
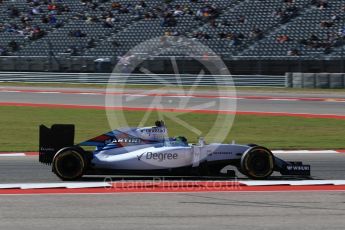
72, 185
304, 151
55, 185
12, 154
299, 182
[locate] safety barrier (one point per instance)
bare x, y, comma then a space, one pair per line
316, 80
144, 79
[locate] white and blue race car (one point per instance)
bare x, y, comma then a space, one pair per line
149, 151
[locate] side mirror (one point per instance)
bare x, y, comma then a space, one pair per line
201, 141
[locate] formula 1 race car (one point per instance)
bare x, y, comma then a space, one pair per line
149, 151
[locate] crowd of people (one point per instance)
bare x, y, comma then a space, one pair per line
332, 39
24, 21
320, 4
286, 14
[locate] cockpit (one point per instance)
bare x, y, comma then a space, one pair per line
176, 141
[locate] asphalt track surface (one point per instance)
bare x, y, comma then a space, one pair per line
27, 169
271, 102
239, 210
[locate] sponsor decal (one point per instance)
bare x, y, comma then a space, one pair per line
140, 156
127, 140
298, 167
158, 156
47, 149
153, 130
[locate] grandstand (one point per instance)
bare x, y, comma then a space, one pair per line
37, 34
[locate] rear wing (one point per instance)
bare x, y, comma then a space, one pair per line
53, 139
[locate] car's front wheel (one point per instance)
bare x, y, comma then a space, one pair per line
69, 164
257, 163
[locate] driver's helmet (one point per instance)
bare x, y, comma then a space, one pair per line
159, 124
181, 140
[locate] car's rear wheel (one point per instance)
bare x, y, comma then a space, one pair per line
69, 164
257, 163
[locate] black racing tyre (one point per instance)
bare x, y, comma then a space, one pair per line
69, 164
257, 163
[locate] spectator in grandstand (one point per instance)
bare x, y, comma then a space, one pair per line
292, 9
178, 11
36, 10
108, 23
44, 19
293, 52
225, 22
116, 6
222, 35
313, 38
25, 19
141, 4
3, 51
51, 7
65, 8
13, 45
79, 16
125, 9
256, 34
335, 18
278, 12
91, 43
330, 37
235, 41
235, 38
282, 38
52, 19
213, 23
241, 19
13, 12
168, 20
91, 18
149, 15
59, 24
207, 13
85, 2
115, 43
36, 33
187, 10
92, 5
284, 17
72, 50
341, 33
77, 34
326, 24
201, 35
321, 4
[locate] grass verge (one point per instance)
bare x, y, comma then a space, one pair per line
19, 128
